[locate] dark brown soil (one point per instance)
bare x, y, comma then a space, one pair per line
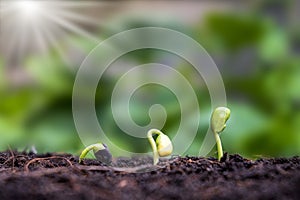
59, 176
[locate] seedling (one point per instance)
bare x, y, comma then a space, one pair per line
100, 150
30, 149
218, 124
161, 147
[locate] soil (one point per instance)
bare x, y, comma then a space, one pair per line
59, 176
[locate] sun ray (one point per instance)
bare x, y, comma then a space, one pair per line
15, 43
23, 42
70, 15
72, 27
72, 4
41, 42
54, 35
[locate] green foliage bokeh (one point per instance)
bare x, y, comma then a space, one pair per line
262, 92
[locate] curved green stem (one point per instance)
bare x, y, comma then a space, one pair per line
219, 145
153, 144
94, 147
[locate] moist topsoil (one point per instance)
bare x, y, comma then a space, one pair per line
59, 176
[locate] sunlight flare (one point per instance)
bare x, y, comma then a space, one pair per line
28, 8
34, 27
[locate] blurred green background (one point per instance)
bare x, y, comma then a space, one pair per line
255, 45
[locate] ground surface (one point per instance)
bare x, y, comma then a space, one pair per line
59, 176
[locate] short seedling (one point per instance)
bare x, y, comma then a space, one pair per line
218, 124
101, 152
161, 147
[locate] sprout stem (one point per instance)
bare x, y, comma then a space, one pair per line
153, 144
94, 147
219, 145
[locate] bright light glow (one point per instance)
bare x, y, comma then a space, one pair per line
31, 27
28, 8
